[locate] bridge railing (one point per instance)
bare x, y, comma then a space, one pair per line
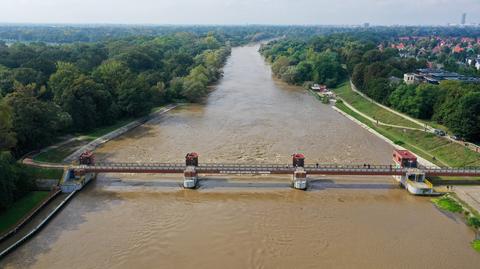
283, 168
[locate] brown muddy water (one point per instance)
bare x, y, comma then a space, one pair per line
145, 221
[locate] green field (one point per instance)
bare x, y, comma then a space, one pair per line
44, 173
21, 208
371, 109
476, 245
56, 155
101, 131
433, 148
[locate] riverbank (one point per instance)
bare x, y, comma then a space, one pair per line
435, 149
19, 210
370, 116
69, 150
471, 216
34, 222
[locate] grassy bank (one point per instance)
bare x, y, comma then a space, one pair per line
44, 173
374, 111
58, 154
429, 146
476, 245
21, 208
453, 204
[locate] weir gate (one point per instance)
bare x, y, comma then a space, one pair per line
405, 170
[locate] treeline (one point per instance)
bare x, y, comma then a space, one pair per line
57, 89
58, 33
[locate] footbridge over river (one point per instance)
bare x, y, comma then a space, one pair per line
405, 170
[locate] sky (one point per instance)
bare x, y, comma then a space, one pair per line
318, 12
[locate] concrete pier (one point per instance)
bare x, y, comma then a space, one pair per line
190, 177
299, 179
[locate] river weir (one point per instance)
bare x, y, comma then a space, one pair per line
150, 221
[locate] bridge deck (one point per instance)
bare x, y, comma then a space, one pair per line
321, 169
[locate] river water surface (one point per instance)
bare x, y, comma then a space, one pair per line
140, 221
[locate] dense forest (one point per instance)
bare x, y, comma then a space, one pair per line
50, 90
378, 72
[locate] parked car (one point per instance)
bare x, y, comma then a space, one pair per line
457, 137
439, 132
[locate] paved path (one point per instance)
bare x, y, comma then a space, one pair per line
470, 195
29, 161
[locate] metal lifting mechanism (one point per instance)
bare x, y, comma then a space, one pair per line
298, 160
191, 159
87, 158
299, 177
190, 176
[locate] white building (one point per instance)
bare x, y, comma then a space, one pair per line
409, 78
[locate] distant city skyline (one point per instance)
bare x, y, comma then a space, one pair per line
238, 12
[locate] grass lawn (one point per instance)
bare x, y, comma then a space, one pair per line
448, 204
101, 131
476, 245
44, 173
56, 155
371, 109
20, 208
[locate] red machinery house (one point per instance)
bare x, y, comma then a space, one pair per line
404, 158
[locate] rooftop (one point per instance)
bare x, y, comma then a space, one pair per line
405, 154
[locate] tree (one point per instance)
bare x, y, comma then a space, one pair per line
7, 136
195, 84
465, 120
403, 98
112, 74
280, 65
35, 122
88, 103
63, 79
135, 97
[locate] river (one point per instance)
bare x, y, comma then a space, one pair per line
145, 221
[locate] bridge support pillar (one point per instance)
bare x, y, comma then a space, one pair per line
299, 179
190, 177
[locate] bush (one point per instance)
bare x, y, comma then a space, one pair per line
476, 245
448, 204
474, 222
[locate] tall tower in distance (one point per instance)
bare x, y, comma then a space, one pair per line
464, 18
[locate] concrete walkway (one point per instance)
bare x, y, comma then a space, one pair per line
470, 195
